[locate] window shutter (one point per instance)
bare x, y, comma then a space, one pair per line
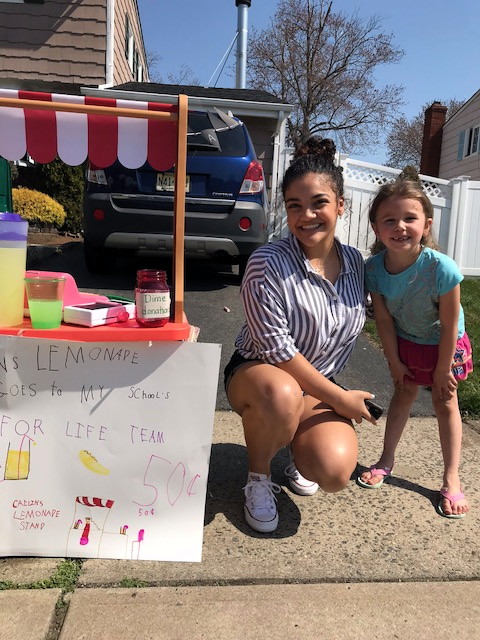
461, 143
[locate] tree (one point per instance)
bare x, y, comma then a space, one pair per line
404, 142
324, 64
184, 75
13, 171
153, 59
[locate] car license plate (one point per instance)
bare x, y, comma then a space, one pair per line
166, 182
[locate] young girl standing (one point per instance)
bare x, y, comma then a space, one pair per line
416, 297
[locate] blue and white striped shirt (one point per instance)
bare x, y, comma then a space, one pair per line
291, 309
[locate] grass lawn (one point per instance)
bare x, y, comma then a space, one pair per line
468, 391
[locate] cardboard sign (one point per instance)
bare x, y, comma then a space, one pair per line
105, 447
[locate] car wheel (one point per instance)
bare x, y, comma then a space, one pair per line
97, 259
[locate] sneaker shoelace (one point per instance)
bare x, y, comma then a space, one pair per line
292, 472
261, 493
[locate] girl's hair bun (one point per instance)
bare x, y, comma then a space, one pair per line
315, 155
316, 146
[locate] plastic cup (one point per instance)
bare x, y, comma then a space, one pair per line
45, 301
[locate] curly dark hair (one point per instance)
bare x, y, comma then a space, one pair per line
315, 155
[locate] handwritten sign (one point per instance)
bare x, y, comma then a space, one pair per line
104, 448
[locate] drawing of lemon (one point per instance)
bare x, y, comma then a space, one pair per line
92, 463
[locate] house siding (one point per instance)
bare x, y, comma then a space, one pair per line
57, 41
450, 166
65, 41
122, 72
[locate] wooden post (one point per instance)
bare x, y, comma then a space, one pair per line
68, 107
179, 210
180, 170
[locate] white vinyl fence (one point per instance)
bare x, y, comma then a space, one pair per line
456, 206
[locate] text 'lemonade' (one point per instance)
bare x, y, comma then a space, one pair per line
152, 298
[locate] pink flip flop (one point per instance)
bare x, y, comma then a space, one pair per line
376, 471
452, 498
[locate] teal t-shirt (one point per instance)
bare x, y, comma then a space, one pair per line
412, 295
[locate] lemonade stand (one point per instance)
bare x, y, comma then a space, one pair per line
105, 432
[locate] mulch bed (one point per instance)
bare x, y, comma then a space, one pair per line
51, 239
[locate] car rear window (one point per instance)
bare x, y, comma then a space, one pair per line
232, 141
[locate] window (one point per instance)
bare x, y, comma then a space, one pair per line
127, 35
129, 45
469, 142
135, 64
137, 67
472, 145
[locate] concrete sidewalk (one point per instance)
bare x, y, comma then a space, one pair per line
350, 565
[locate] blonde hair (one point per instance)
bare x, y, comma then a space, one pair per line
402, 189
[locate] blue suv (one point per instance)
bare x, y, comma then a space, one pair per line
131, 210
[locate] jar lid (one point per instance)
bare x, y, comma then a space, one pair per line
151, 272
12, 227
11, 217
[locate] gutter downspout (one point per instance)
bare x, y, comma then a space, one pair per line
275, 221
109, 39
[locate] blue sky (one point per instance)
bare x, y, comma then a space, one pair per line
440, 40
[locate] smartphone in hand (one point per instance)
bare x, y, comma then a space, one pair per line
375, 409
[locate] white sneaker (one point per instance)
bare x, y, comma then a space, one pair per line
297, 482
260, 508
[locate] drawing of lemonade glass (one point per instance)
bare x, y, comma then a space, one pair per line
17, 465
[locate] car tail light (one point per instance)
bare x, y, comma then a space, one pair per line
245, 224
253, 179
95, 175
99, 214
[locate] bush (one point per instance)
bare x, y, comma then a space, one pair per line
38, 208
64, 183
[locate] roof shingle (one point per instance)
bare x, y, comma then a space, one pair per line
251, 95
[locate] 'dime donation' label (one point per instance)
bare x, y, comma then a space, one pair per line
152, 298
153, 305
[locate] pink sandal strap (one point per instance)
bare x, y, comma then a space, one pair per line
380, 471
452, 497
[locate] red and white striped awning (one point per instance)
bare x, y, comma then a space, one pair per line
72, 137
95, 502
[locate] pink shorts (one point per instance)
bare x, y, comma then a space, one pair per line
421, 359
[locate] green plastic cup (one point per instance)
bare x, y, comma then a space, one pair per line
45, 301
